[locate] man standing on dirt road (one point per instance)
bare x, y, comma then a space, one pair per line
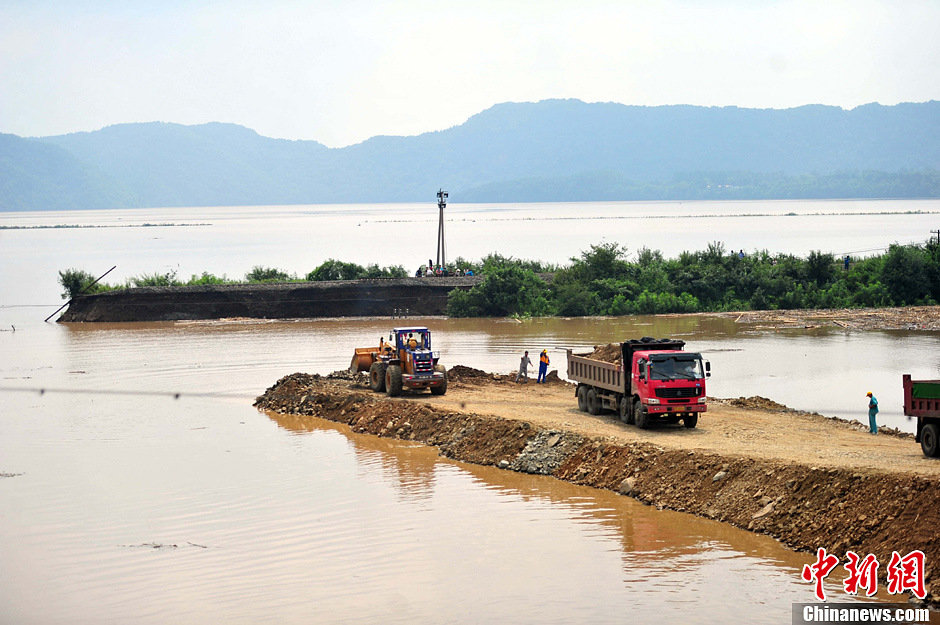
543, 367
524, 368
872, 413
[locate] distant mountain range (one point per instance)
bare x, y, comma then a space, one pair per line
554, 150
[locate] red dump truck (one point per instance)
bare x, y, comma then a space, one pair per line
922, 400
652, 380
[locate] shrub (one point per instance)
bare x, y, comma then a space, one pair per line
206, 279
76, 281
461, 303
332, 269
904, 274
266, 274
507, 290
575, 300
155, 279
819, 267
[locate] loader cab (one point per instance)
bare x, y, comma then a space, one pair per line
413, 345
410, 339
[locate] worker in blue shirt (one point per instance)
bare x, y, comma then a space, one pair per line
872, 413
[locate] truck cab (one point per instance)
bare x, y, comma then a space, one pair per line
669, 384
650, 380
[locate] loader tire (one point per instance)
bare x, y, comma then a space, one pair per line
393, 380
377, 377
440, 390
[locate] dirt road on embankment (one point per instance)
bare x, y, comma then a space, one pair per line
808, 480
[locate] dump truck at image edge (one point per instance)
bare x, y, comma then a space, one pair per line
922, 400
405, 361
655, 381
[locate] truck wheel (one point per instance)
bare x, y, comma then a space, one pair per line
440, 390
582, 399
377, 377
626, 411
393, 380
929, 440
593, 403
640, 416
690, 421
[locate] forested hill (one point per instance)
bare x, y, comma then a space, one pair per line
560, 150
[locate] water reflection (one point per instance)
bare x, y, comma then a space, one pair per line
668, 563
408, 467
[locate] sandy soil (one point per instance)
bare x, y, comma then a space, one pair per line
749, 429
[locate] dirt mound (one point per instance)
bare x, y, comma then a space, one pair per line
460, 372
607, 353
757, 403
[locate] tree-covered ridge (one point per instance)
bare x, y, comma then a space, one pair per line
602, 281
554, 150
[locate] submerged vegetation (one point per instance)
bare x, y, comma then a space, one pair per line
606, 280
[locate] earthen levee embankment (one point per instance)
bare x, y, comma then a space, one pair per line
806, 506
341, 298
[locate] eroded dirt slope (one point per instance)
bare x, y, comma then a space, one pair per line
807, 480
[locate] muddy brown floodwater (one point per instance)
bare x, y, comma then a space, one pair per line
808, 480
127, 505
121, 504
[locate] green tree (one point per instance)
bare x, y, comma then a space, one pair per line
77, 281
575, 300
904, 274
505, 291
819, 267
331, 269
266, 274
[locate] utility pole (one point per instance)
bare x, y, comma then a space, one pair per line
936, 232
441, 203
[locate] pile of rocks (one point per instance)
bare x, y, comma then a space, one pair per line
544, 452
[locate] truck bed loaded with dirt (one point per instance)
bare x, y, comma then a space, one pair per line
642, 380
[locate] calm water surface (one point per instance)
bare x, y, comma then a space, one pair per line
127, 505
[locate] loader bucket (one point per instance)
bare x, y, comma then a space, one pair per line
362, 359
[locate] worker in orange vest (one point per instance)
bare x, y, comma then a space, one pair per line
543, 367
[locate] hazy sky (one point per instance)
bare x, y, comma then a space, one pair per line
340, 72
